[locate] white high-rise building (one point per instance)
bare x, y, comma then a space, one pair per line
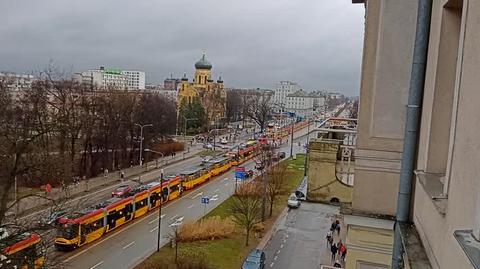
282, 90
105, 78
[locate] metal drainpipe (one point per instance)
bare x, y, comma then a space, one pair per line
417, 81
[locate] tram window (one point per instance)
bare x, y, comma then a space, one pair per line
93, 226
165, 192
153, 198
141, 203
112, 217
174, 188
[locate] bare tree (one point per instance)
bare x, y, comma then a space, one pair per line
258, 107
245, 207
277, 182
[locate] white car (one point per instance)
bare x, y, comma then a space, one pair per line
293, 202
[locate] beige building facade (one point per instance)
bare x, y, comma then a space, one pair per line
446, 200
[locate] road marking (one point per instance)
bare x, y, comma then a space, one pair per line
275, 258
154, 229
125, 247
225, 179
156, 219
215, 196
174, 217
278, 252
271, 265
180, 219
281, 246
216, 190
198, 194
96, 265
284, 240
190, 206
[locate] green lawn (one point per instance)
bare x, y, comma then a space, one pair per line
208, 152
227, 253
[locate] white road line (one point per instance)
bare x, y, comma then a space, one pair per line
216, 190
190, 206
125, 247
154, 229
196, 195
96, 265
271, 265
225, 179
281, 246
275, 258
174, 217
278, 252
215, 196
156, 219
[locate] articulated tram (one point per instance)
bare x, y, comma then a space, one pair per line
84, 227
21, 251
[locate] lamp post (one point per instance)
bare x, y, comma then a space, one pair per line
160, 212
157, 152
291, 142
141, 139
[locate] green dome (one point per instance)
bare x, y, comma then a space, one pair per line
203, 63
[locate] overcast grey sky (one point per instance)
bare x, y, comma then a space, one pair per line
251, 43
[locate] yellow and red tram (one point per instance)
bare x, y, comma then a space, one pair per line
21, 251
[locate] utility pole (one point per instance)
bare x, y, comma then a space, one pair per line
141, 140
291, 142
160, 211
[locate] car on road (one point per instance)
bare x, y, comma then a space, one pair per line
254, 260
293, 201
122, 191
223, 141
53, 218
249, 173
206, 159
259, 165
281, 155
208, 146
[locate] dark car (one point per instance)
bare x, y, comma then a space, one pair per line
254, 260
259, 165
281, 155
249, 173
122, 191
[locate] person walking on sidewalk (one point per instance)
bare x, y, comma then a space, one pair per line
337, 226
333, 227
334, 250
329, 238
343, 251
339, 246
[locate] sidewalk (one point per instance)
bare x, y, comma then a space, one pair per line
84, 187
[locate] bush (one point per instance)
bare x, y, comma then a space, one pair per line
208, 229
170, 147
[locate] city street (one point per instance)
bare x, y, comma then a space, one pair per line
299, 241
128, 246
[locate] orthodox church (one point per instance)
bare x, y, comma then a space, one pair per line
211, 94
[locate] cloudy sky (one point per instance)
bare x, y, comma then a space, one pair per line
251, 43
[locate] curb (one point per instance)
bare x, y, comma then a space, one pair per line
263, 243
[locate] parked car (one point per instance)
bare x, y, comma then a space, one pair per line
249, 173
122, 191
281, 155
206, 159
254, 260
53, 218
293, 201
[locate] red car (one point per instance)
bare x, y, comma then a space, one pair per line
122, 191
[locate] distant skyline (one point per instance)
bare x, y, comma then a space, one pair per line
251, 44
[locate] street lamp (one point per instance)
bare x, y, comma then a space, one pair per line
157, 152
160, 211
141, 139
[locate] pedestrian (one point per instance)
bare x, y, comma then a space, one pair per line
339, 246
329, 238
334, 250
337, 226
122, 175
343, 252
333, 227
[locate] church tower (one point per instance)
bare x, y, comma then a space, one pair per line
203, 72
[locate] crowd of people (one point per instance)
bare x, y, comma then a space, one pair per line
338, 249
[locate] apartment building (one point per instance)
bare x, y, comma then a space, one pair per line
17, 83
443, 230
116, 78
304, 104
281, 91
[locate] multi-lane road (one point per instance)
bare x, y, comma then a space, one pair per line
129, 245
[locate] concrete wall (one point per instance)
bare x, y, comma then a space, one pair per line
454, 42
387, 58
323, 184
368, 246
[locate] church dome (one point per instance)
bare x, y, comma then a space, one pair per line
203, 63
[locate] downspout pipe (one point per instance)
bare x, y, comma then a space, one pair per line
415, 95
